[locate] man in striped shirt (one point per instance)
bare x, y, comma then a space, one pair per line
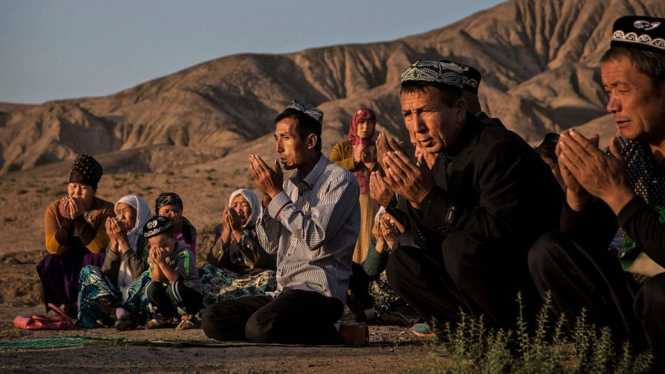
311, 221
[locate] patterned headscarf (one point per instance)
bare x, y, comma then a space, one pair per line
86, 170
253, 201
143, 214
361, 172
156, 225
434, 72
311, 111
168, 198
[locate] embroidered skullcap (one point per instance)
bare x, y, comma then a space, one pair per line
156, 225
641, 32
168, 198
311, 111
434, 72
86, 170
471, 77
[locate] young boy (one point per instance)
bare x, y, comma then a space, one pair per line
175, 290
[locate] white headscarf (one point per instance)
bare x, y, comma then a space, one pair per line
253, 201
143, 215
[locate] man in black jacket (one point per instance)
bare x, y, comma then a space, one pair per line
474, 216
624, 189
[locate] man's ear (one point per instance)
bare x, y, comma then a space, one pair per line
460, 109
311, 141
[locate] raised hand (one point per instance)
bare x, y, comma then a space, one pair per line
600, 174
406, 178
379, 190
64, 207
268, 181
77, 208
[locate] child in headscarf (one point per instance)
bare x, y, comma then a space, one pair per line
238, 265
111, 294
169, 204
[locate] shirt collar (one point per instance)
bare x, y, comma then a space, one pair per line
311, 178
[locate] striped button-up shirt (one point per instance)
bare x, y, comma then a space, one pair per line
313, 226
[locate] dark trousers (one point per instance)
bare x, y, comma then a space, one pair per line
359, 298
466, 275
165, 300
594, 280
59, 275
650, 307
293, 317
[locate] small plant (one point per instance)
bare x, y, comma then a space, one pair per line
470, 347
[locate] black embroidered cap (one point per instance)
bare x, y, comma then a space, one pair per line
156, 225
86, 170
471, 76
641, 32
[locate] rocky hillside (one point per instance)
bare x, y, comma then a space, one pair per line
539, 60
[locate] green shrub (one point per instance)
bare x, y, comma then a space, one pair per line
470, 347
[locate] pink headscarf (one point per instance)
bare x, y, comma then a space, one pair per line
361, 172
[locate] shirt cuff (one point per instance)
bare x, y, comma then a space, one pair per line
277, 204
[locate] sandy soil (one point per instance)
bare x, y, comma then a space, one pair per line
392, 349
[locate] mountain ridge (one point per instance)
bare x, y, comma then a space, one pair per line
539, 61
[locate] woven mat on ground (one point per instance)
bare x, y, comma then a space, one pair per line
80, 341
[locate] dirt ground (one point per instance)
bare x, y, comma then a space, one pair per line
392, 349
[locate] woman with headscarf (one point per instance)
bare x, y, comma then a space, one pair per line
75, 235
238, 265
358, 155
113, 293
169, 204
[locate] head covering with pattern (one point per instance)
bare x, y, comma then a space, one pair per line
641, 32
434, 72
156, 225
311, 111
168, 198
86, 170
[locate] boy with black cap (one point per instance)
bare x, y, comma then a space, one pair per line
175, 290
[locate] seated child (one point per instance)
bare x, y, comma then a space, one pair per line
175, 291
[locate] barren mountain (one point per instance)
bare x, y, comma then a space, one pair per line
539, 61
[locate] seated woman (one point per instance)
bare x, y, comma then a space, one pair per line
115, 293
238, 265
75, 235
170, 205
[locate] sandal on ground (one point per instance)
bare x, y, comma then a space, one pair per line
187, 321
156, 323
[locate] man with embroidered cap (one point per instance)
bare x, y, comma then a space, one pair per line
623, 189
311, 221
474, 216
75, 234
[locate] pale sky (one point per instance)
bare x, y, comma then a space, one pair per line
72, 48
